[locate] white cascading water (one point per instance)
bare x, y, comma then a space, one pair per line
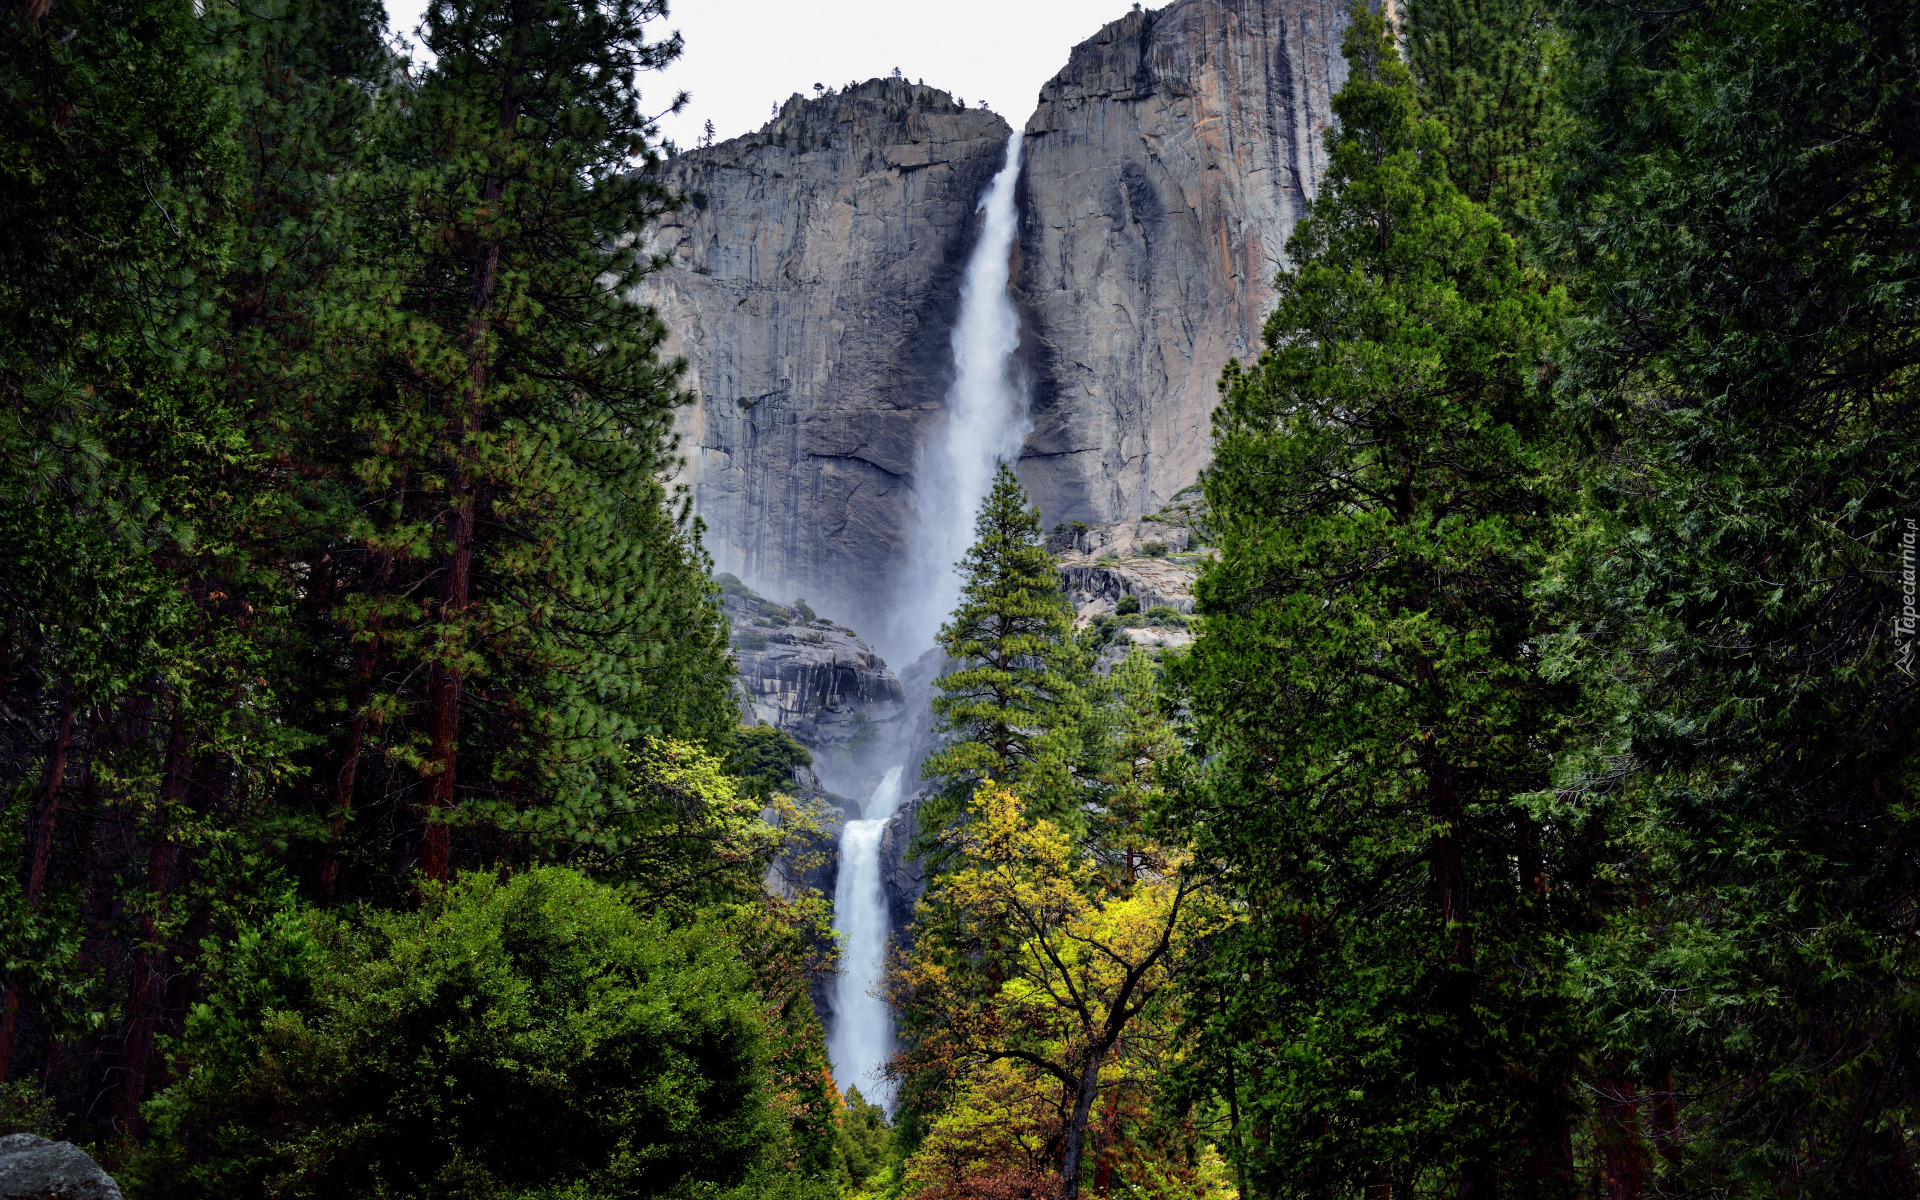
986, 423
862, 1026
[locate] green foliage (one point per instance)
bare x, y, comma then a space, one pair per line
507, 1039
765, 758
1490, 72
1012, 711
1743, 210
250, 399
864, 1139
1127, 605
1368, 694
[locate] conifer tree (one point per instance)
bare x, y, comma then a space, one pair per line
1013, 711
1747, 380
511, 455
1489, 72
1367, 689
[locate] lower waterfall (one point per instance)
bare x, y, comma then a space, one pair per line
986, 422
862, 1026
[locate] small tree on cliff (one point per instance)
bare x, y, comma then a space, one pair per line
1013, 710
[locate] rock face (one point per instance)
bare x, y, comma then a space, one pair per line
816, 680
1166, 167
814, 282
33, 1168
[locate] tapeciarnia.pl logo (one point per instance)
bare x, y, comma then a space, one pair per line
1903, 625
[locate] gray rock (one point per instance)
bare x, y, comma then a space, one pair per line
1166, 167
899, 875
816, 680
816, 267
813, 285
33, 1168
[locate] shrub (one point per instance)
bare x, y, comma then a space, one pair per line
765, 757
533, 1037
1166, 614
1154, 549
1127, 606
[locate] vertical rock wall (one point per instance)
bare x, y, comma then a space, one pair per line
815, 278
814, 281
1167, 165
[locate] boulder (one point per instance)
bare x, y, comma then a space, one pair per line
33, 1168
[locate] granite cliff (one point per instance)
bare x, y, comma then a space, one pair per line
815, 268
1167, 165
813, 281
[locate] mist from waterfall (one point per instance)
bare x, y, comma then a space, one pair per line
986, 422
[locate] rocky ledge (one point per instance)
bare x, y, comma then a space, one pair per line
807, 675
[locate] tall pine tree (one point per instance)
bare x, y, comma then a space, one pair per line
1014, 710
1367, 687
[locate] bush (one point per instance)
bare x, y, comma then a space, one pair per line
1154, 549
765, 757
806, 613
1166, 614
530, 1038
1128, 605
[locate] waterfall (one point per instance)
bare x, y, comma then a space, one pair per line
986, 422
985, 425
862, 1026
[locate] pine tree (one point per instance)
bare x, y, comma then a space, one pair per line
1488, 71
510, 456
1014, 710
1367, 687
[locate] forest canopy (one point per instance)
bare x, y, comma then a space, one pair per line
1532, 815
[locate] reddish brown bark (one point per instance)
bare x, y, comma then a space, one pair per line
1665, 1114
1623, 1157
147, 990
42, 844
343, 779
444, 719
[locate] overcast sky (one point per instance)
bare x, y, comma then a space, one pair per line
745, 56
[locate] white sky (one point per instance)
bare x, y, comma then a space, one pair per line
744, 56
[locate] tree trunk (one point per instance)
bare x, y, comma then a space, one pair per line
1233, 1132
456, 590
343, 780
1623, 1160
1088, 1091
1666, 1124
148, 986
42, 849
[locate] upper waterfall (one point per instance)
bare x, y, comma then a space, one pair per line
986, 422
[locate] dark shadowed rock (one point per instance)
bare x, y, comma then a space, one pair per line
33, 1168
807, 675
